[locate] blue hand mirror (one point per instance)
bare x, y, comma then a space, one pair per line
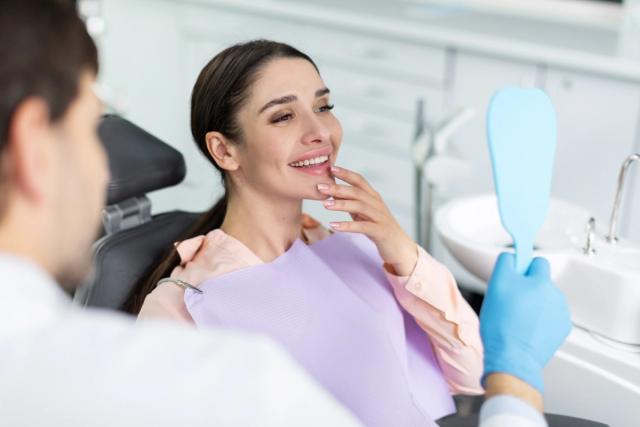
521, 130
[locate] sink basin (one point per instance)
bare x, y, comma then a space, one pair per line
470, 228
603, 289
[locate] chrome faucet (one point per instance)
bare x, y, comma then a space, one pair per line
591, 236
613, 223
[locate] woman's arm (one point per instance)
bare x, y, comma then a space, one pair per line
431, 296
166, 301
425, 288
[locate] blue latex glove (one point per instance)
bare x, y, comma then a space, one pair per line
523, 320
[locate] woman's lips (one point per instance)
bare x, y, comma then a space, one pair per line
319, 152
320, 169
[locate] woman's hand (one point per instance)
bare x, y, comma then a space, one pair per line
370, 217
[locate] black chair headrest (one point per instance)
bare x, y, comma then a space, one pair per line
138, 161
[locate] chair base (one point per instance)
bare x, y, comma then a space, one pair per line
552, 419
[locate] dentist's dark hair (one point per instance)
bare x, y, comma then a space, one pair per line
221, 90
44, 49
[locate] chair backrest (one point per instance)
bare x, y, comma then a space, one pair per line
132, 239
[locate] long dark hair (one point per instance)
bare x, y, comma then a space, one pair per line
220, 91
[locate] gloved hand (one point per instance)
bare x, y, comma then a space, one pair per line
523, 320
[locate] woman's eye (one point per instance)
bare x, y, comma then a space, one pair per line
282, 118
326, 108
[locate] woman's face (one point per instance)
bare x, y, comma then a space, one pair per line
291, 137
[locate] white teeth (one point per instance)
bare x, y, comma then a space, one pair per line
310, 162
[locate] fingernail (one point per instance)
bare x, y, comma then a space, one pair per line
323, 187
335, 169
329, 203
334, 224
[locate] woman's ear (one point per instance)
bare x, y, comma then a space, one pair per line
222, 151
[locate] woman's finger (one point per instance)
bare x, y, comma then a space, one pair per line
354, 179
367, 228
358, 208
346, 192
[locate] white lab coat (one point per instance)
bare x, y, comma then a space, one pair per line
62, 366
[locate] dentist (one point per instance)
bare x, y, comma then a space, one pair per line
63, 366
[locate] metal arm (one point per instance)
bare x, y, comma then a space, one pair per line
431, 140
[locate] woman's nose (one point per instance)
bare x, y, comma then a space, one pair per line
315, 131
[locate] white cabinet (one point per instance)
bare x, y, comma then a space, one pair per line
378, 55
378, 94
597, 126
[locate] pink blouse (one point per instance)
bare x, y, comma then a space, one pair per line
429, 294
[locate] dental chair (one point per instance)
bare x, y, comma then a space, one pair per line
131, 238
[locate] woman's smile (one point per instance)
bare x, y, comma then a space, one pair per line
315, 162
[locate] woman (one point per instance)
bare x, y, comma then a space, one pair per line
261, 114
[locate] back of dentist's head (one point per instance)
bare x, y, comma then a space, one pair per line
52, 168
221, 89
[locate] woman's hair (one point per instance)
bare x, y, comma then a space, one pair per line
220, 91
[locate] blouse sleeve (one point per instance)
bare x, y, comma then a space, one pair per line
430, 294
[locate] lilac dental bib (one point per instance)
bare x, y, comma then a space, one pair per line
331, 306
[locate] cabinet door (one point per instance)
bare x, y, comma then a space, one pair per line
476, 79
597, 125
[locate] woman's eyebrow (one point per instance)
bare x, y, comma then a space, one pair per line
291, 98
322, 92
278, 101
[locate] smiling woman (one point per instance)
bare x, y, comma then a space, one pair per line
243, 129
261, 114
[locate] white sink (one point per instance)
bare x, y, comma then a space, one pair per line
470, 228
603, 289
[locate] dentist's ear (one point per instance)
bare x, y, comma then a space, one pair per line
30, 148
222, 151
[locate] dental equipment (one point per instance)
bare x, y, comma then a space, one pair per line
431, 143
